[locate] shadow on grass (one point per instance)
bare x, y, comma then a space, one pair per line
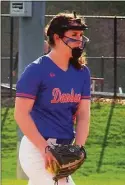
4, 118
106, 135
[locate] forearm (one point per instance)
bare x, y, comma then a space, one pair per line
82, 131
29, 129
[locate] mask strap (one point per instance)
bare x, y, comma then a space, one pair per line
66, 43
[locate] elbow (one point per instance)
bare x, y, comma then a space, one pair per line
20, 115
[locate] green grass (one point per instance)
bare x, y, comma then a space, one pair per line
81, 181
105, 146
8, 145
14, 182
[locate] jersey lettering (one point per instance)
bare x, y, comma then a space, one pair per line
59, 97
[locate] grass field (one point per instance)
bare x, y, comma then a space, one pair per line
105, 146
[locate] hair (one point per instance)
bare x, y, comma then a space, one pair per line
78, 64
61, 23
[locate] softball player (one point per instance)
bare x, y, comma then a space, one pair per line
51, 90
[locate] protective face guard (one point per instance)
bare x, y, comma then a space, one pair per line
83, 42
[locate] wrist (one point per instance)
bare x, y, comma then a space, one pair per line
78, 143
42, 147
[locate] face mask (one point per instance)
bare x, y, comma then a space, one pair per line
77, 52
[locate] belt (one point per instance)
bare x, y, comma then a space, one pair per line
61, 141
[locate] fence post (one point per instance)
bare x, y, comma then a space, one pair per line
115, 57
102, 72
11, 54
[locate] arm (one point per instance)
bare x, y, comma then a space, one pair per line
27, 89
26, 92
82, 122
83, 112
23, 106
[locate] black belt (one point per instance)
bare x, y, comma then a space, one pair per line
62, 141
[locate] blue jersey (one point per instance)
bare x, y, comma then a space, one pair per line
57, 94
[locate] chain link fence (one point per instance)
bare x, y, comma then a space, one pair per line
105, 48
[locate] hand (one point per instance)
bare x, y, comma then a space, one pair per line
51, 164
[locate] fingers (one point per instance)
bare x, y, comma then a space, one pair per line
52, 166
57, 163
55, 166
46, 163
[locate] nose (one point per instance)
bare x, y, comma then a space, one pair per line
79, 42
79, 37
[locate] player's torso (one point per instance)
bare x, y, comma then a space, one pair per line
58, 88
57, 100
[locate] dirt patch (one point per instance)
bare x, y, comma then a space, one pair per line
107, 100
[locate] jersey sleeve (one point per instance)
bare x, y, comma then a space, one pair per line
29, 82
86, 93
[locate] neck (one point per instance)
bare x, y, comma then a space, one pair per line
60, 59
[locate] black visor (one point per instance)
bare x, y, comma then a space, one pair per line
74, 24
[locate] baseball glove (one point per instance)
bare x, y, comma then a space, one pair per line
69, 157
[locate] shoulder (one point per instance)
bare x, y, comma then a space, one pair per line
34, 71
39, 61
85, 71
37, 64
81, 72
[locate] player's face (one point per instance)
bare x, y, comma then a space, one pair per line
76, 35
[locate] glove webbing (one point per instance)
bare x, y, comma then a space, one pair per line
65, 172
72, 164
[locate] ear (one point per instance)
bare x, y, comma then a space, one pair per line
56, 37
